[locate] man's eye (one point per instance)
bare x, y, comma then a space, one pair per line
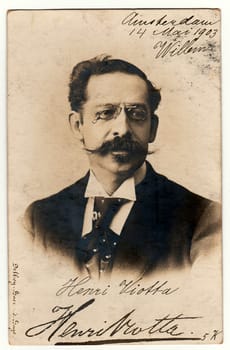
137, 114
106, 114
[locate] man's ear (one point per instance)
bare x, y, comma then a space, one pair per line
154, 127
75, 124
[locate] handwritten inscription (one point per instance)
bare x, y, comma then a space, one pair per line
173, 37
66, 325
134, 288
212, 336
79, 286
136, 19
14, 295
68, 321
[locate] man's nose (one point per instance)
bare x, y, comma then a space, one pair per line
121, 124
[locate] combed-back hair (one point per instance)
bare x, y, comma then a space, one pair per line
101, 65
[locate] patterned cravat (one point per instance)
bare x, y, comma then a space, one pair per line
96, 249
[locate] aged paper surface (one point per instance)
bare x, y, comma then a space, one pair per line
51, 301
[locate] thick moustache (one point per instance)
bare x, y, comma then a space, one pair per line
119, 145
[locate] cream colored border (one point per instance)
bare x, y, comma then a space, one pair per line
224, 5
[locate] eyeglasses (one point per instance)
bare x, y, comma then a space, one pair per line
136, 113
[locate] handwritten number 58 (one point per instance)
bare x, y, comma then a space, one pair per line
211, 336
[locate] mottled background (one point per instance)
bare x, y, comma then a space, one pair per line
44, 156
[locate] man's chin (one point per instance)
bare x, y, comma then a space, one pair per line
124, 163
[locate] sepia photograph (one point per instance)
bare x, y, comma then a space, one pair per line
114, 176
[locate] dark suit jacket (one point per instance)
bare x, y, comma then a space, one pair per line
165, 228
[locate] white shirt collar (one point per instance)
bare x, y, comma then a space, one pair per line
126, 190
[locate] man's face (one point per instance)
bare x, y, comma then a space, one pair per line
116, 127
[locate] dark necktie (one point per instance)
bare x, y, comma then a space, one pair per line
96, 249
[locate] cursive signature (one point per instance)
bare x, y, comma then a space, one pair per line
65, 325
177, 48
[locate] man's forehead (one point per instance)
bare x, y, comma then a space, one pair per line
116, 87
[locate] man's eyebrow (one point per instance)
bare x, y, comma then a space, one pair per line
107, 105
133, 104
136, 105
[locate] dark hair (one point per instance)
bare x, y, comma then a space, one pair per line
102, 65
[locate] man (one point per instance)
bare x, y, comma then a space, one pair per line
122, 215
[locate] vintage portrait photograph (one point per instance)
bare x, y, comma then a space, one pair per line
114, 176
